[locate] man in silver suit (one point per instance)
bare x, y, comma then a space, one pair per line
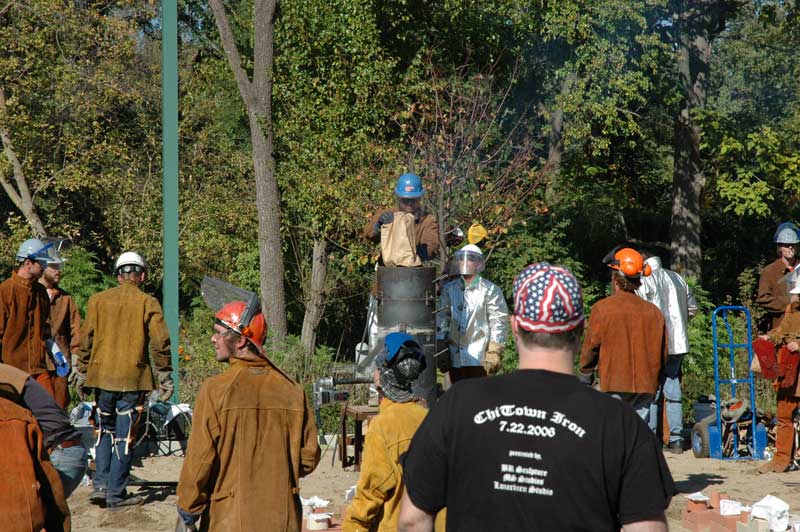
474, 319
668, 291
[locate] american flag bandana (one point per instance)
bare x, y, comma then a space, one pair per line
547, 299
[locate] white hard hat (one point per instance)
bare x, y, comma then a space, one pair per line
33, 249
133, 261
787, 236
472, 248
467, 261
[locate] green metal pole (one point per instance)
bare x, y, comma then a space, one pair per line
169, 110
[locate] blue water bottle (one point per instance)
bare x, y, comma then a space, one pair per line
62, 366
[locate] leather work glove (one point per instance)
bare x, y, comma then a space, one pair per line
493, 358
385, 218
166, 386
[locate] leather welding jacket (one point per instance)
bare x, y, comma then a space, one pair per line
773, 293
121, 323
788, 331
32, 497
669, 292
65, 322
379, 490
24, 325
472, 316
427, 233
626, 340
253, 437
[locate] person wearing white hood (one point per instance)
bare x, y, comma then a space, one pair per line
668, 291
474, 319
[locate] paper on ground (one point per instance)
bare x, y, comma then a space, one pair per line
314, 502
729, 507
698, 497
768, 506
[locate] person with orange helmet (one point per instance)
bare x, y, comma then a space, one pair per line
626, 340
253, 436
123, 324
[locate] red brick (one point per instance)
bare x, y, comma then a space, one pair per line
714, 502
696, 506
696, 521
725, 522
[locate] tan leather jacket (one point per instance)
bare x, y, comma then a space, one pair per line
24, 325
121, 323
32, 497
427, 232
253, 437
626, 341
65, 322
773, 294
380, 484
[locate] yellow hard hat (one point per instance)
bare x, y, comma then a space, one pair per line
476, 233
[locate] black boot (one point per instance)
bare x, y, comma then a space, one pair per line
125, 501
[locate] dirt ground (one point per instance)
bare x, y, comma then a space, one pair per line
738, 479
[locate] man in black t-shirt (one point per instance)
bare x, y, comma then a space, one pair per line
536, 449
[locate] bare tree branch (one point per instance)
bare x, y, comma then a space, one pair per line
21, 195
232, 52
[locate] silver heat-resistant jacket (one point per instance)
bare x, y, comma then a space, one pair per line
472, 317
669, 292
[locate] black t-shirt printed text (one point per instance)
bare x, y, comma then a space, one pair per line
536, 450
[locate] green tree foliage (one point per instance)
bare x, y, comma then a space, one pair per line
552, 122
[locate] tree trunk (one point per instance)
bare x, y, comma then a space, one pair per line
315, 300
270, 251
688, 181
257, 97
18, 192
698, 22
555, 142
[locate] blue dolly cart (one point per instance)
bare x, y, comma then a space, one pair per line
718, 436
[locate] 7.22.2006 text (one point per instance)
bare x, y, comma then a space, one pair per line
527, 430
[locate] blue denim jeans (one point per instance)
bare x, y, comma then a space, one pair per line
71, 466
671, 388
114, 453
639, 401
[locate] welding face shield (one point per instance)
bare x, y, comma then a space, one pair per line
236, 309
399, 363
467, 261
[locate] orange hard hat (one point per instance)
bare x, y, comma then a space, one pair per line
230, 317
630, 263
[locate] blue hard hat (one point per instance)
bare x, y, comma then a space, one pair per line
787, 233
409, 186
394, 341
33, 249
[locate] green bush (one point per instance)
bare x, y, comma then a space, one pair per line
81, 278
